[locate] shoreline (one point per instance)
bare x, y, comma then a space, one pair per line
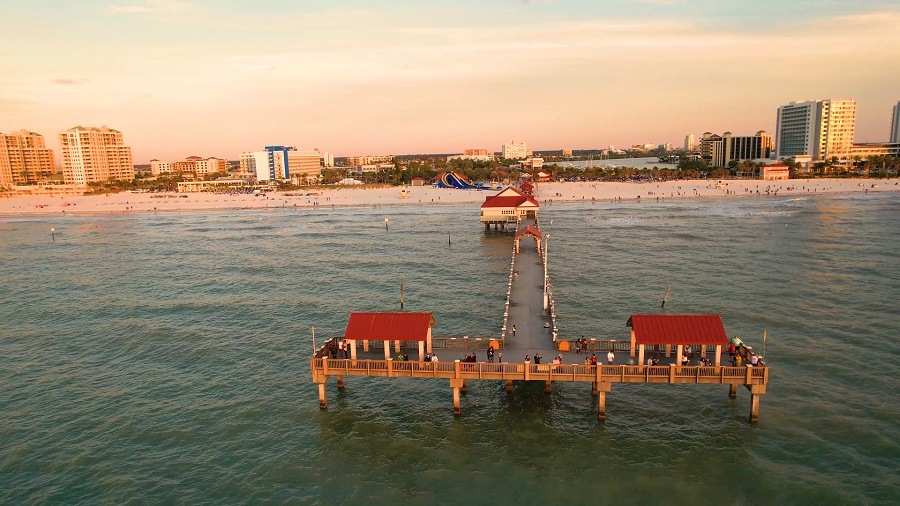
349, 198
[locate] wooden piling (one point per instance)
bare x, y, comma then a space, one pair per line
732, 391
601, 410
323, 403
754, 408
509, 385
340, 382
547, 387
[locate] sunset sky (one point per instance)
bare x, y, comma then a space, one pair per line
215, 78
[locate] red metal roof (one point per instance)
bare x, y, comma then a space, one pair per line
678, 329
529, 230
388, 326
495, 201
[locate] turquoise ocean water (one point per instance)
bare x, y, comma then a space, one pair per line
164, 357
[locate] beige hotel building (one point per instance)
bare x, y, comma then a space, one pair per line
93, 154
24, 158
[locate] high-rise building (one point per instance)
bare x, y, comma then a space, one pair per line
895, 124
822, 129
24, 158
719, 150
282, 163
95, 154
689, 142
513, 151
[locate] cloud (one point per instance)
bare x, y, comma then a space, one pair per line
153, 7
130, 9
67, 81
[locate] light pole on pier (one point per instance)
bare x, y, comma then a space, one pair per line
546, 278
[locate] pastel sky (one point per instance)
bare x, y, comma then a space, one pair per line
218, 77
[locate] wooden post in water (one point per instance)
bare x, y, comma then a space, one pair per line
323, 403
509, 385
456, 384
601, 409
732, 390
463, 388
754, 407
340, 382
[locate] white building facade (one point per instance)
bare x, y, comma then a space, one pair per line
93, 154
895, 124
513, 151
822, 129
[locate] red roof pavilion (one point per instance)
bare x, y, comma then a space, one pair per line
678, 329
389, 326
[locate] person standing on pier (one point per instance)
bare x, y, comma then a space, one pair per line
537, 358
514, 330
610, 357
490, 354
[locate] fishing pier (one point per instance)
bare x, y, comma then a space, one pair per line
661, 349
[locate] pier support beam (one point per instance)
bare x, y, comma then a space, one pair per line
464, 388
601, 409
397, 346
509, 385
323, 402
547, 387
340, 382
718, 360
754, 408
421, 351
353, 349
594, 388
631, 348
732, 391
679, 352
387, 350
456, 384
641, 355
602, 388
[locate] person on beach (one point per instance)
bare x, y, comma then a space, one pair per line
610, 357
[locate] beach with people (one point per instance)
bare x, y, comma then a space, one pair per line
334, 197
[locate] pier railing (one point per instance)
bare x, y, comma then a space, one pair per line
744, 375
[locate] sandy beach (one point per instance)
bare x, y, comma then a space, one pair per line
546, 193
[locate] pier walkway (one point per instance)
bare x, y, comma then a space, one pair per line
534, 332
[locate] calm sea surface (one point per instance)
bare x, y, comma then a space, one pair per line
164, 357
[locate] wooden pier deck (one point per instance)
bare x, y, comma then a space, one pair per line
535, 334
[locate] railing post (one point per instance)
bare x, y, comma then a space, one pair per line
671, 373
390, 367
749, 375
325, 366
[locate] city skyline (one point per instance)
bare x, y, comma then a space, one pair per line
180, 78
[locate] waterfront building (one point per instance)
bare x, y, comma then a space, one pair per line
822, 129
353, 161
689, 142
508, 206
775, 172
24, 158
214, 185
865, 150
895, 124
717, 150
473, 157
513, 151
93, 154
247, 163
305, 166
190, 166
476, 152
327, 158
